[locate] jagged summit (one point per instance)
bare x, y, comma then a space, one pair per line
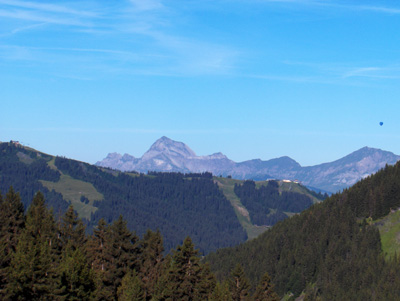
167, 146
168, 155
215, 156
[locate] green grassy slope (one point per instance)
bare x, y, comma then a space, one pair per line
296, 187
227, 186
389, 229
72, 190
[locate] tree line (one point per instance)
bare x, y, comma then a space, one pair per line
44, 258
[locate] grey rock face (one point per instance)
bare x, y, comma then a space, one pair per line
172, 156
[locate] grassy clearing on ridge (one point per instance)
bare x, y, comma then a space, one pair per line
389, 229
227, 186
72, 190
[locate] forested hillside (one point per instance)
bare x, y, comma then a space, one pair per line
176, 204
22, 168
329, 251
262, 200
45, 259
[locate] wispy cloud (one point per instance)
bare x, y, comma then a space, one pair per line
364, 71
22, 29
333, 73
47, 13
47, 7
36, 17
192, 131
331, 4
146, 38
149, 28
378, 9
358, 7
374, 72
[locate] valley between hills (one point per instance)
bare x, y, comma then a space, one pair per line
274, 237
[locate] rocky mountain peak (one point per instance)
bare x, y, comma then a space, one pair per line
113, 156
168, 155
168, 147
127, 158
217, 156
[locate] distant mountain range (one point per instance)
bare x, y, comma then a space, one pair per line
171, 156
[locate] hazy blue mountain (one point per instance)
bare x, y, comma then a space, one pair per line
168, 155
348, 170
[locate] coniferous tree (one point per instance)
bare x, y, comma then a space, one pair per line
131, 288
238, 284
12, 222
185, 278
72, 230
151, 260
208, 281
34, 273
76, 277
100, 258
124, 251
221, 292
265, 290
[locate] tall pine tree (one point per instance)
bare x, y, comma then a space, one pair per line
131, 288
34, 273
238, 284
100, 258
124, 251
150, 260
76, 277
72, 230
186, 278
12, 222
265, 290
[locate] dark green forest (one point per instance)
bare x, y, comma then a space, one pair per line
22, 169
259, 201
177, 204
329, 251
43, 258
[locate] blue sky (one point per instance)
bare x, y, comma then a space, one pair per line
248, 78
